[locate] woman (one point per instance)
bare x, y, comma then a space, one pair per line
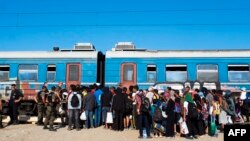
190, 120
169, 111
128, 108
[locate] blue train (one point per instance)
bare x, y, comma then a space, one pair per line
29, 70
125, 64
214, 69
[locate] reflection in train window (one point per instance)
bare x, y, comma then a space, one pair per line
207, 72
238, 73
176, 73
128, 73
4, 72
151, 73
28, 72
51, 73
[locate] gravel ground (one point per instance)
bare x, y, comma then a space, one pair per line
31, 132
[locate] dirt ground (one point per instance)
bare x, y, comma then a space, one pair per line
32, 132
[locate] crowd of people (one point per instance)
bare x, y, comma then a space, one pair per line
154, 112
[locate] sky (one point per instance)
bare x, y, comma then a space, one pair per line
29, 25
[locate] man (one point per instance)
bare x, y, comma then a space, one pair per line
15, 97
1, 125
74, 106
118, 106
88, 106
134, 112
150, 94
143, 113
230, 103
98, 93
58, 98
39, 99
106, 99
50, 111
245, 106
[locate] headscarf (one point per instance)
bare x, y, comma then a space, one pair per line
189, 98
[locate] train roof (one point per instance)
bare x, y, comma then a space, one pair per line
177, 53
47, 54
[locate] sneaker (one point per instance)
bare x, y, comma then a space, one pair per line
15, 123
69, 129
196, 137
45, 127
52, 129
149, 137
190, 137
39, 123
9, 123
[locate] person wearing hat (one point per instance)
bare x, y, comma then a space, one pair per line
245, 106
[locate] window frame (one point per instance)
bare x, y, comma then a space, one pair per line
228, 72
134, 73
155, 73
197, 74
51, 65
3, 65
37, 70
176, 65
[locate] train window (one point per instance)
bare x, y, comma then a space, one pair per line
151, 73
73, 72
176, 73
207, 72
128, 73
28, 72
239, 73
51, 73
4, 72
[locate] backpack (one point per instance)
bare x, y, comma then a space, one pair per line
74, 101
145, 104
177, 108
50, 97
157, 117
192, 110
39, 96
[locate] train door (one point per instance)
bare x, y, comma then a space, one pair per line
73, 74
128, 74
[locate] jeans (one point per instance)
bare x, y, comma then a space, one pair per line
89, 116
104, 113
97, 116
74, 116
143, 120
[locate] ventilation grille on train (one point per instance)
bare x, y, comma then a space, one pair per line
84, 46
125, 46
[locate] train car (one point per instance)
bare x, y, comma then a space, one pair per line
29, 70
214, 69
